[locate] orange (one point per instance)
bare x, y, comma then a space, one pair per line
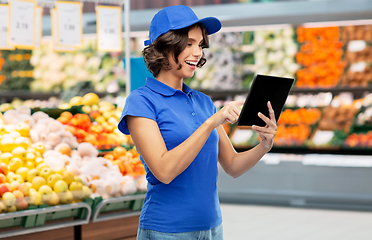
119, 151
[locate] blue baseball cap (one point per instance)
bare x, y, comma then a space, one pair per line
178, 17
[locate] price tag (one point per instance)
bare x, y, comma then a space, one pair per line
22, 24
69, 24
38, 29
56, 48
4, 22
109, 29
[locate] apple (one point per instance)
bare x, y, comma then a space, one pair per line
23, 129
29, 184
14, 185
37, 182
41, 166
16, 177
66, 197
5, 157
30, 157
46, 172
2, 178
23, 172
15, 163
24, 188
31, 174
30, 165
21, 204
39, 147
12, 208
53, 178
7, 144
77, 179
54, 200
4, 169
39, 160
9, 199
18, 194
34, 197
68, 177
76, 189
86, 192
46, 193
60, 186
59, 170
3, 208
19, 152
3, 189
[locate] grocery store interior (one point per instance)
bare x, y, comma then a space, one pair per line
66, 68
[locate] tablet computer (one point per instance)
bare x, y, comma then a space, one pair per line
264, 88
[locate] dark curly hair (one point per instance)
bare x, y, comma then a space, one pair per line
172, 42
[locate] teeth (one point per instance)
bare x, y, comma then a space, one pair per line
191, 63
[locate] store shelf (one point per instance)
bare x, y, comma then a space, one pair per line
44, 219
295, 183
220, 94
118, 207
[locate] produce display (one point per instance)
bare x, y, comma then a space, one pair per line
223, 67
320, 56
358, 55
275, 51
42, 162
16, 72
55, 71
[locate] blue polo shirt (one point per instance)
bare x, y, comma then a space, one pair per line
190, 202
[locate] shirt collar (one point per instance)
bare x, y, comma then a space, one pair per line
164, 89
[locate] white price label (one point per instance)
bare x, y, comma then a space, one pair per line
69, 24
109, 29
38, 32
57, 48
22, 23
4, 22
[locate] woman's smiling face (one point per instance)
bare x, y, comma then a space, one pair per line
189, 57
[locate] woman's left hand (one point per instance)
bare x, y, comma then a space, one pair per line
268, 132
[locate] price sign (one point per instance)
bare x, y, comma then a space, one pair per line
4, 22
57, 48
109, 29
22, 23
38, 32
69, 24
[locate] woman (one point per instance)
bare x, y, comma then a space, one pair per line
179, 133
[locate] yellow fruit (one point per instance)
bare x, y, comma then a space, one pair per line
15, 163
30, 165
6, 144
64, 106
37, 182
5, 157
86, 109
75, 101
19, 152
41, 166
23, 129
90, 99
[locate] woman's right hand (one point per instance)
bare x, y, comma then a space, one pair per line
229, 113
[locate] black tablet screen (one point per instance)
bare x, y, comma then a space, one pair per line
264, 88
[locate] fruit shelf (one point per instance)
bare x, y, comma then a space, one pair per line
118, 207
44, 218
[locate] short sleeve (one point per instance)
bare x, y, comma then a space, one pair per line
136, 105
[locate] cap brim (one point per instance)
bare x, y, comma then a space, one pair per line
211, 24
